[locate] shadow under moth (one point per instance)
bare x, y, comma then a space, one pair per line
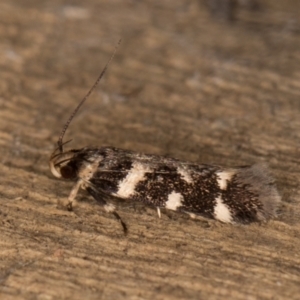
231, 195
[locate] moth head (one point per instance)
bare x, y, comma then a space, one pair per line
63, 164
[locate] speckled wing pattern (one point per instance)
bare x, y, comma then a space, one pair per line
231, 195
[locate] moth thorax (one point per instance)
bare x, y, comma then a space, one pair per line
62, 165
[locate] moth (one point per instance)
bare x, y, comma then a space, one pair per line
231, 195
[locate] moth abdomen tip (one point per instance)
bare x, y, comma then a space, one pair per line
263, 194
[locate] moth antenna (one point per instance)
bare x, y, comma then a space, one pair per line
60, 139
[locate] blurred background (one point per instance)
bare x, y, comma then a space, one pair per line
213, 81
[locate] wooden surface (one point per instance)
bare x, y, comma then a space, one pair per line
184, 84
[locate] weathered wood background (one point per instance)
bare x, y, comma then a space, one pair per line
183, 83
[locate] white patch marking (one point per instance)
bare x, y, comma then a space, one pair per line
128, 184
223, 178
174, 201
185, 174
222, 212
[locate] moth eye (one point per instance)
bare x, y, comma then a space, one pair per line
68, 172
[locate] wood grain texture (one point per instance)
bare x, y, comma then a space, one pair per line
182, 84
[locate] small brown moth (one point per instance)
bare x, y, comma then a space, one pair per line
231, 195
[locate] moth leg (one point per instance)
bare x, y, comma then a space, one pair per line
108, 207
73, 193
158, 212
192, 215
